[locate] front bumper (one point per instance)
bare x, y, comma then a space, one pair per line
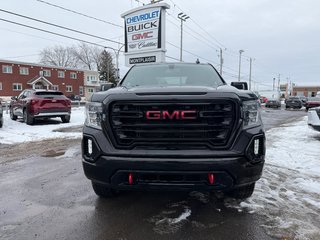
172, 169
172, 174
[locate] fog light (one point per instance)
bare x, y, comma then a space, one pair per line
211, 178
130, 179
90, 146
256, 146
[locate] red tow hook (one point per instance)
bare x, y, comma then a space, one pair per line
211, 178
130, 179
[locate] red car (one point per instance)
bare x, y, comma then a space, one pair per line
263, 99
312, 102
35, 104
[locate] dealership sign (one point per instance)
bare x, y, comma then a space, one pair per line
145, 34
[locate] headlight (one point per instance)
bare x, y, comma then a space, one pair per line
251, 113
93, 115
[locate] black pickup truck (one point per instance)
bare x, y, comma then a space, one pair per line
173, 126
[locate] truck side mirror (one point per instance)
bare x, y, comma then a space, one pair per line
107, 86
240, 85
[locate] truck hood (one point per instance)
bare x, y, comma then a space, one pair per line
174, 91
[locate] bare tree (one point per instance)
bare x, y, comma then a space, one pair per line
59, 56
82, 56
88, 56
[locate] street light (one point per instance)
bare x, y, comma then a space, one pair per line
240, 52
183, 17
116, 52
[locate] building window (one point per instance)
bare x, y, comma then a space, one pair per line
60, 74
17, 87
73, 75
24, 71
90, 90
46, 73
68, 88
6, 69
81, 90
55, 87
0, 86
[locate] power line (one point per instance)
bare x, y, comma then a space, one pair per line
59, 26
79, 13
173, 58
218, 43
22, 56
191, 53
192, 35
46, 31
198, 25
31, 35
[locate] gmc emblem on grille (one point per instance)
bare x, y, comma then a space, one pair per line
177, 114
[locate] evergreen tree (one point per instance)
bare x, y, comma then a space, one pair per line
106, 68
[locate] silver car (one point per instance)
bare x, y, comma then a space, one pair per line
314, 118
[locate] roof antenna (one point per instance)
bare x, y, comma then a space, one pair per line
198, 61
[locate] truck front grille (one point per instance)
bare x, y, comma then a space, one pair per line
210, 127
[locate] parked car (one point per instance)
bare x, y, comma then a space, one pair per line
263, 99
158, 131
314, 118
312, 102
34, 104
273, 103
293, 102
303, 99
74, 97
1, 114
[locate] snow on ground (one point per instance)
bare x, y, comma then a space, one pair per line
288, 194
17, 131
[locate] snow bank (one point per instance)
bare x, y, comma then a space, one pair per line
288, 195
17, 131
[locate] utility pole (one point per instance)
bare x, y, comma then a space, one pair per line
274, 79
240, 52
183, 17
279, 82
250, 73
221, 61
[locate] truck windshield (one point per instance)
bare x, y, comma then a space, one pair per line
172, 75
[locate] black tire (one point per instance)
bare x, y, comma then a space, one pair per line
103, 191
1, 122
242, 192
27, 118
65, 119
12, 116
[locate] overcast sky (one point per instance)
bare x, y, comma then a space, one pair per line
283, 37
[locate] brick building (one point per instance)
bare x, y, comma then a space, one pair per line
307, 91
17, 76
